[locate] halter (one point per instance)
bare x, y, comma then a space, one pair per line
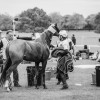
51, 29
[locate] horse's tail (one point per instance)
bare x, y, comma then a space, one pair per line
6, 67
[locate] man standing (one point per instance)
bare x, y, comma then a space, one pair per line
66, 58
3, 44
74, 39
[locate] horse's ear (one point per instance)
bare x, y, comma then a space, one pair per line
55, 24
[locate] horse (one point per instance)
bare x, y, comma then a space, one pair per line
36, 51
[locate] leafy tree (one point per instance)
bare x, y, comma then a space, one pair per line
64, 22
56, 18
90, 22
30, 20
5, 22
97, 23
76, 21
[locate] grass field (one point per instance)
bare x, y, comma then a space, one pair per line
80, 87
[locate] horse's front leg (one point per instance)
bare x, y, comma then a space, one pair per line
43, 73
36, 74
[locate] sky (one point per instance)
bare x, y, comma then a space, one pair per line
64, 7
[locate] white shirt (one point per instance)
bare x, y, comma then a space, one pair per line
5, 43
14, 37
65, 43
37, 35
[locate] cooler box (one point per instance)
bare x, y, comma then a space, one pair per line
84, 56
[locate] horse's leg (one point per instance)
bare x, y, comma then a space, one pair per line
8, 73
36, 74
44, 63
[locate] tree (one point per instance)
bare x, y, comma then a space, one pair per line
31, 19
5, 22
56, 18
64, 22
97, 23
76, 21
90, 22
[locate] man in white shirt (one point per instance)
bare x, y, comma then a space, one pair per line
3, 44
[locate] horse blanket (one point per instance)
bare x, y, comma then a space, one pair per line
65, 61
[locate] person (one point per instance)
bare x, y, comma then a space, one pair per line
84, 50
68, 46
14, 37
33, 36
73, 39
3, 44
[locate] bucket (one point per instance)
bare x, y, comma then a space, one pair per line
94, 79
47, 75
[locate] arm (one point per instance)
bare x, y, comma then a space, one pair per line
72, 47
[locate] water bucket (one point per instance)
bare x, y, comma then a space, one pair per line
47, 75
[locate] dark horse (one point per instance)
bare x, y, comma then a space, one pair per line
36, 51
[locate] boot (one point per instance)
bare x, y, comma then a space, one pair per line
65, 86
58, 83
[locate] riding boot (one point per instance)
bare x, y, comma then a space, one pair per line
65, 85
59, 79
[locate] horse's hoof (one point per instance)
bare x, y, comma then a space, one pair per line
36, 87
8, 89
45, 87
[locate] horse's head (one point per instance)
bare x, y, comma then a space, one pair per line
53, 28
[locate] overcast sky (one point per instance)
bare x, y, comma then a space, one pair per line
84, 7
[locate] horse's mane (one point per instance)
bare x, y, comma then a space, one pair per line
45, 37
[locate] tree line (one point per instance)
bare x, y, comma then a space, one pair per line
37, 20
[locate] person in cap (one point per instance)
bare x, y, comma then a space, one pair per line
3, 44
68, 46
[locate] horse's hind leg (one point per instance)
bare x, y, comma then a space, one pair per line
8, 73
43, 73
